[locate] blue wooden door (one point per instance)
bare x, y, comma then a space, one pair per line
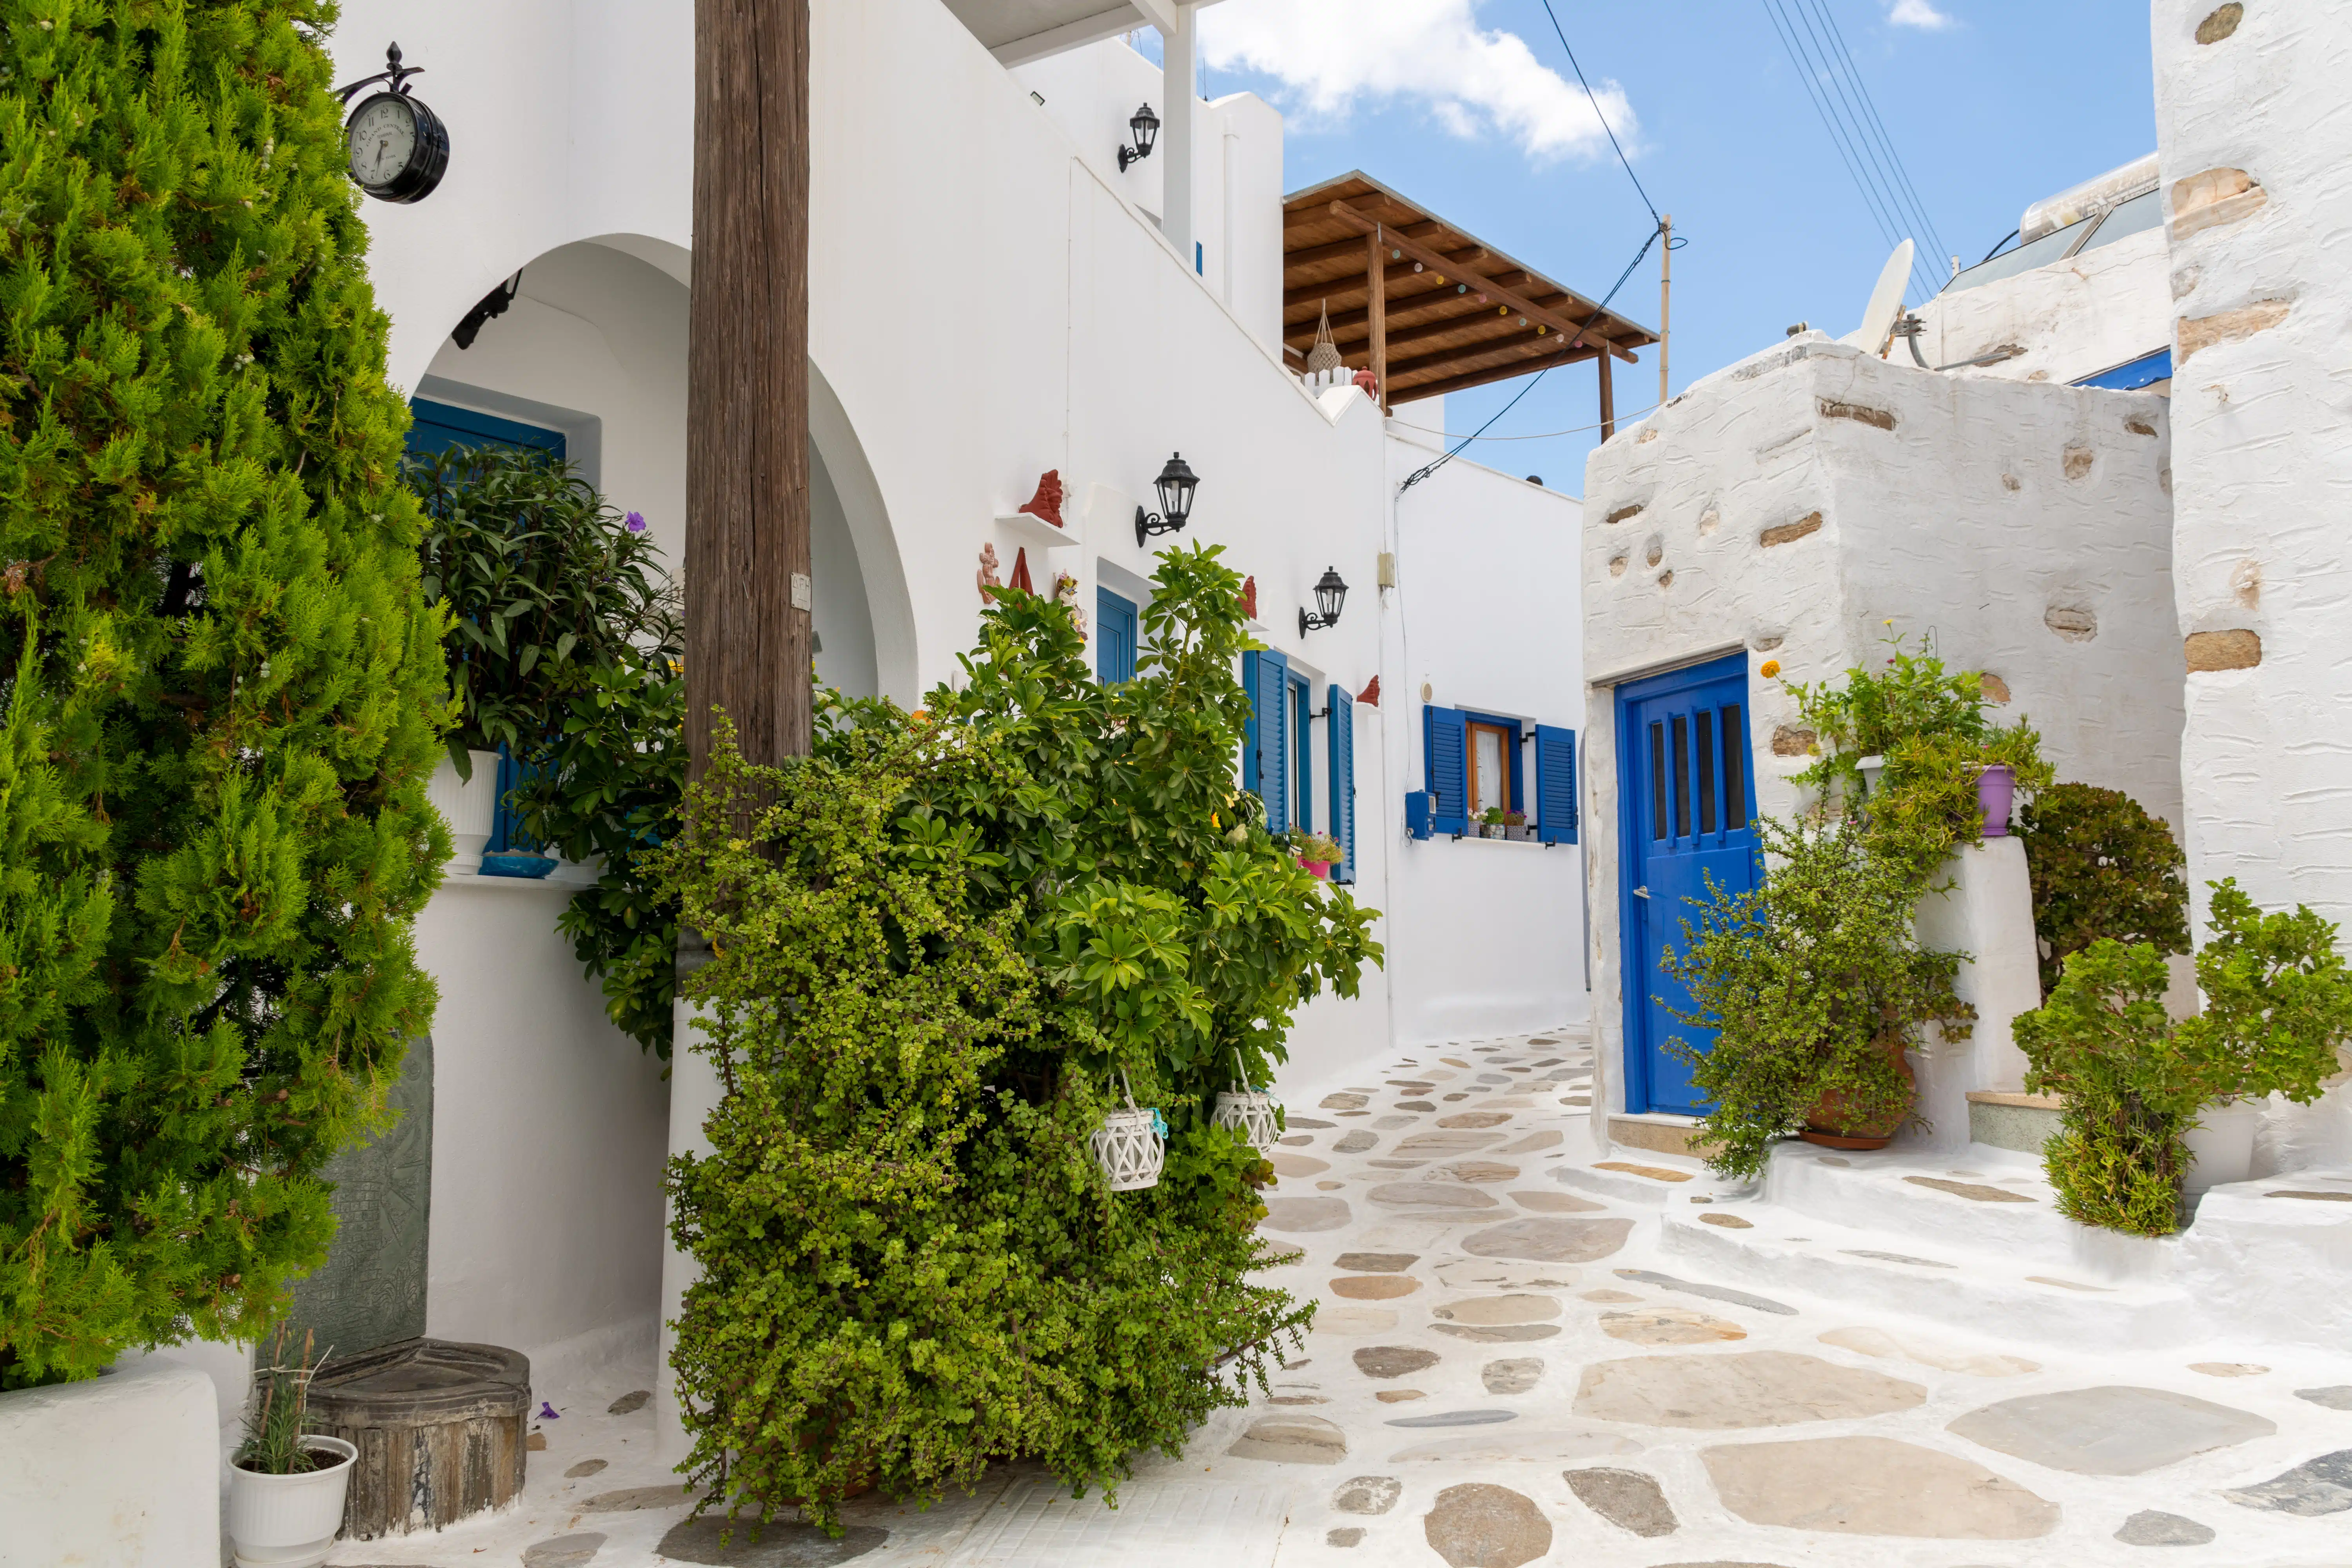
1687, 807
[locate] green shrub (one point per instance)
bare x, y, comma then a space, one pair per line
2101, 867
941, 947
1931, 728
1809, 981
565, 648
2278, 1010
229, 694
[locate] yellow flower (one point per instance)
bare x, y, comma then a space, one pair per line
1772, 668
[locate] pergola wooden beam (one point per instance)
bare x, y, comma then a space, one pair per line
1308, 293
1345, 250
1403, 369
1347, 325
1413, 248
1496, 372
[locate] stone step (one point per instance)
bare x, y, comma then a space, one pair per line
1639, 1177
1871, 1271
1991, 1203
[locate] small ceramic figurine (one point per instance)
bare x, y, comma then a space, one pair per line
988, 581
1065, 591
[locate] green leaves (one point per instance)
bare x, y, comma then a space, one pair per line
938, 944
214, 836
2101, 867
1810, 982
2277, 1012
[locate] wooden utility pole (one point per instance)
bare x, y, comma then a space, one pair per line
747, 478
1376, 286
1665, 297
1608, 399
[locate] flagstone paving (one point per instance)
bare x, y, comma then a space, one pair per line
1506, 1368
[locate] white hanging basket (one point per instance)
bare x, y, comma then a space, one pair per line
1130, 1147
1247, 1111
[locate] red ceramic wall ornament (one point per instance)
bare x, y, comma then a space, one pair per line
1046, 504
1021, 573
1371, 693
1370, 382
988, 581
1249, 598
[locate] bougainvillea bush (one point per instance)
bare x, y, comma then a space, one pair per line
941, 948
224, 692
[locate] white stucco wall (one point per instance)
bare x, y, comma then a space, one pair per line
2108, 306
2262, 463
1487, 936
550, 1127
1992, 515
123, 1471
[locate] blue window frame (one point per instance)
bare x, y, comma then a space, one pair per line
1115, 622
437, 426
1302, 754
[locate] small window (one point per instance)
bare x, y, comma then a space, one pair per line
1735, 744
1706, 773
1114, 637
1657, 780
1681, 775
1493, 749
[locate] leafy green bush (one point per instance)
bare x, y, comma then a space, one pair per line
1931, 727
2278, 1010
1811, 981
567, 638
941, 947
229, 695
2101, 867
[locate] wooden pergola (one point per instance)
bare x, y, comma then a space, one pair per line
1428, 307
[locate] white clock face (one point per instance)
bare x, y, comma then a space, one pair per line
382, 137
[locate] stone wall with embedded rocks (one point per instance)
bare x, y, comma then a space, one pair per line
2256, 152
1793, 505
2064, 321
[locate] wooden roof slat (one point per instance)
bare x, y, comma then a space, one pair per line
1462, 341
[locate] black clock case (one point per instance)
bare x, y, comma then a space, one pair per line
427, 161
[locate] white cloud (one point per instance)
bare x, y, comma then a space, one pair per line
1918, 13
1333, 55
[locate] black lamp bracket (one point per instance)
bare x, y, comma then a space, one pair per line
398, 75
1148, 523
1313, 623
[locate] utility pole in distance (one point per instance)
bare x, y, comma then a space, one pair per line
747, 481
1665, 290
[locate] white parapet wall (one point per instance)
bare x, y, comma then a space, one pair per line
123, 1471
1792, 507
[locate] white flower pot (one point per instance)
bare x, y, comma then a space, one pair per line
2221, 1144
470, 806
290, 1521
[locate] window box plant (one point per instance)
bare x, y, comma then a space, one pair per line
286, 1486
1318, 853
1516, 827
1490, 825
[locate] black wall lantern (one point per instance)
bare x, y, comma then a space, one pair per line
1175, 484
1330, 593
1143, 132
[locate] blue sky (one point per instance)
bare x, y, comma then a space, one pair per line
1469, 106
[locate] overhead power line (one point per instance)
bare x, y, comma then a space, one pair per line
1817, 47
1606, 129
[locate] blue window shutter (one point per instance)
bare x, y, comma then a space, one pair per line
1114, 637
1265, 743
1447, 769
1343, 781
437, 426
1555, 785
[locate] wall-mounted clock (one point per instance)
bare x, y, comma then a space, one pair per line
397, 148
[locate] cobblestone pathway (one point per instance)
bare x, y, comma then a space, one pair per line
1504, 1370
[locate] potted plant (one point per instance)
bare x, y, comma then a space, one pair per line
286, 1486
1515, 828
1815, 985
1318, 853
1490, 824
2139, 1086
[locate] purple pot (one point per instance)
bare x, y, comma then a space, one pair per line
1996, 792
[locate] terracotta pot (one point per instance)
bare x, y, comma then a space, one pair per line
1832, 1124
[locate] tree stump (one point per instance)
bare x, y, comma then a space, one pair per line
440, 1428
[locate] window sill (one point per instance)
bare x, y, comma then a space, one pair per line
568, 876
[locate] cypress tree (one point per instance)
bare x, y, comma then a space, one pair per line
223, 690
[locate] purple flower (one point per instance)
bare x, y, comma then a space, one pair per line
636, 522
547, 1412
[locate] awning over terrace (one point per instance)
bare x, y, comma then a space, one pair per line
1427, 306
